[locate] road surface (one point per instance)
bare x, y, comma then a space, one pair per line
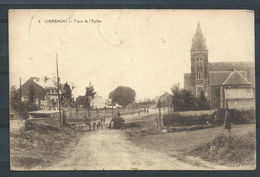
109, 150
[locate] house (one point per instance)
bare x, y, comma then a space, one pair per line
225, 84
46, 92
99, 102
164, 98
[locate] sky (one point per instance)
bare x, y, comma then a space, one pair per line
147, 50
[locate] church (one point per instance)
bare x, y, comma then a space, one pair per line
225, 84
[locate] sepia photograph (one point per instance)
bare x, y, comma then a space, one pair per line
132, 89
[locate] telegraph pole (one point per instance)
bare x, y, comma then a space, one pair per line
58, 82
20, 89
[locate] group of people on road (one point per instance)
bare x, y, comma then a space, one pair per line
96, 123
99, 124
145, 111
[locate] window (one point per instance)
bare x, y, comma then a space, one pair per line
199, 75
199, 62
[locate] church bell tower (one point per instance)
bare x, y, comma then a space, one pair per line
199, 64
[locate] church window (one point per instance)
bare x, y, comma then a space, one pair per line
199, 61
199, 75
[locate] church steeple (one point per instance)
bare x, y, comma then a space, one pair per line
199, 64
198, 42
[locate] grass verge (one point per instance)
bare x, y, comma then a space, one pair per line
29, 149
231, 149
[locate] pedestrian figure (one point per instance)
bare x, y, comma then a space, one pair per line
156, 122
98, 125
89, 118
147, 111
132, 114
94, 125
216, 118
102, 124
227, 122
104, 118
139, 112
118, 114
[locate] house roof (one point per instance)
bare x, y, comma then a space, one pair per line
235, 78
198, 42
165, 96
216, 78
40, 92
247, 67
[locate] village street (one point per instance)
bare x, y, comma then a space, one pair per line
110, 150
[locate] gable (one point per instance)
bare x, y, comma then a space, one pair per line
218, 77
165, 97
40, 92
235, 78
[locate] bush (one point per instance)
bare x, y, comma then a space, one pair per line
216, 118
176, 119
229, 149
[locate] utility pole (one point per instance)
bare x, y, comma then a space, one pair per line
58, 82
20, 89
160, 118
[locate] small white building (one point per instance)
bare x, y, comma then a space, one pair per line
99, 102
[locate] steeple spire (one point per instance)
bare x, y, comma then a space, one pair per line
198, 42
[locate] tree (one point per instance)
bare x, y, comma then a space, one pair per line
89, 96
16, 102
66, 99
67, 93
122, 95
177, 101
182, 100
31, 106
202, 101
81, 100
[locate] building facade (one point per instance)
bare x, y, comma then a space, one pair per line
225, 84
46, 92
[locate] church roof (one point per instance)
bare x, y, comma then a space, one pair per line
228, 66
235, 78
199, 42
216, 78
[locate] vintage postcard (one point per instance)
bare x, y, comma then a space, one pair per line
132, 90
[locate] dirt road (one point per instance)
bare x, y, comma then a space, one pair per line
109, 150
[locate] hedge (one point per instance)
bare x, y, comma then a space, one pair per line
237, 117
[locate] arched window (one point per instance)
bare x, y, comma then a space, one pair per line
199, 75
199, 62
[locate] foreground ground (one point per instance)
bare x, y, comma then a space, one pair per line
112, 150
109, 150
115, 150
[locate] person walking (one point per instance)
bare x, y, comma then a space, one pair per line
227, 122
94, 125
104, 118
156, 122
101, 123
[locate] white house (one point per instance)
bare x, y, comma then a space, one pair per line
98, 102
